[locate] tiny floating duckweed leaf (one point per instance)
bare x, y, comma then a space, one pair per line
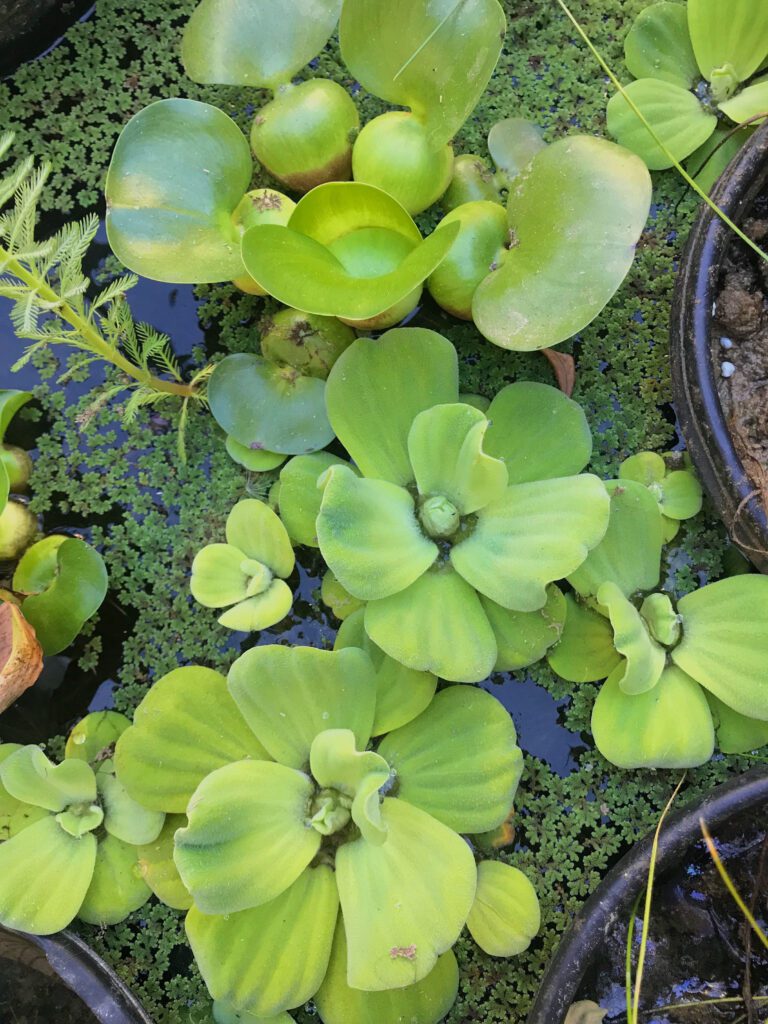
117, 887
255, 977
177, 173
513, 143
582, 190
585, 652
658, 46
426, 1002
435, 58
505, 915
257, 43
266, 407
728, 34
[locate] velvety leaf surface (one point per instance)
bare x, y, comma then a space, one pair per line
725, 637
260, 611
44, 876
629, 554
300, 497
177, 173
513, 143
505, 916
538, 431
94, 737
677, 118
247, 838
158, 868
522, 638
669, 726
186, 727
371, 425
459, 760
436, 625
337, 764
734, 33
254, 529
535, 534
658, 46
277, 953
748, 102
117, 888
124, 818
421, 882
736, 734
255, 43
435, 58
597, 196
15, 815
28, 775
644, 659
218, 579
289, 695
369, 535
585, 652
426, 1002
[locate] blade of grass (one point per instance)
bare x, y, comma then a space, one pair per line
675, 163
628, 963
722, 871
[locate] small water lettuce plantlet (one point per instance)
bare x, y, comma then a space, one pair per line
695, 68
69, 833
247, 574
18, 525
304, 135
677, 672
323, 850
671, 480
454, 524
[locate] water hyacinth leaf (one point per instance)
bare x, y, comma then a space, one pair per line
254, 459
124, 818
748, 102
402, 693
277, 953
158, 868
585, 652
117, 888
476, 794
513, 143
261, 610
538, 431
436, 58
44, 876
300, 497
523, 638
426, 1002
644, 659
242, 42
658, 46
177, 173
629, 554
505, 916
669, 726
218, 859
269, 407
725, 633
369, 535
372, 427
483, 235
94, 737
678, 119
218, 579
28, 775
73, 595
732, 34
433, 872
436, 625
445, 446
332, 211
595, 194
11, 401
37, 567
254, 529
186, 727
290, 695
736, 734
536, 533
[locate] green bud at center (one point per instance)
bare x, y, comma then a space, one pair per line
330, 811
663, 622
439, 517
80, 818
723, 82
261, 576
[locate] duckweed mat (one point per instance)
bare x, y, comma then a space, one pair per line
149, 514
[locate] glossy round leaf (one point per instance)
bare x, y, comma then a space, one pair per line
436, 625
585, 652
117, 888
158, 868
646, 468
185, 727
669, 726
735, 33
459, 760
254, 459
11, 401
538, 431
177, 173
404, 902
247, 838
677, 117
594, 195
535, 534
289, 695
681, 495
300, 496
417, 366
268, 407
255, 43
505, 916
513, 143
94, 737
523, 638
658, 45
482, 237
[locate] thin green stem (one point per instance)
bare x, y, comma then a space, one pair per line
722, 871
675, 163
86, 330
628, 961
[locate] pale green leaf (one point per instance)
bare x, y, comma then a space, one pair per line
15, 815
658, 46
337, 764
124, 818
480, 244
254, 459
94, 737
260, 611
10, 403
734, 34
585, 652
29, 776
748, 102
523, 638
338, 598
505, 916
513, 143
736, 734
681, 495
300, 497
254, 529
117, 888
644, 659
158, 868
218, 578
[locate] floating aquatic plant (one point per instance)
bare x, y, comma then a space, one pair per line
18, 525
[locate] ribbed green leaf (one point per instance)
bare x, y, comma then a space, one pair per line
300, 497
337, 764
644, 659
748, 102
733, 34
253, 528
523, 638
124, 818
260, 611
505, 916
158, 868
28, 775
585, 652
736, 734
117, 887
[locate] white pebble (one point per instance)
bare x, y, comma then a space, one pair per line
726, 343
727, 369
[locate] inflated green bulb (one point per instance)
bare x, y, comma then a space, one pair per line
18, 466
308, 342
472, 181
18, 527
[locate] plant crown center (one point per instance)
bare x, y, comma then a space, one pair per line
260, 576
330, 811
439, 517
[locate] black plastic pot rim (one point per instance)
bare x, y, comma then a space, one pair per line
616, 894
